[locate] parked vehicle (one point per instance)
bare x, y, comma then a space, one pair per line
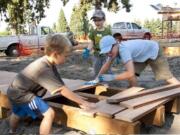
128, 30
35, 39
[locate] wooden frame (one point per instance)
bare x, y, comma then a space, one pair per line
74, 118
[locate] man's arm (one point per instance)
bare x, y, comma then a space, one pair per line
129, 74
106, 66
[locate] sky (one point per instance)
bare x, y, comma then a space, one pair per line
141, 10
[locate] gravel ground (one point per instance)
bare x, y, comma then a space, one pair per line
77, 68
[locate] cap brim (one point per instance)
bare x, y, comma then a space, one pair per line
96, 17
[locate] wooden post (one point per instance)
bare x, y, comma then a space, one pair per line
4, 105
156, 117
173, 106
4, 112
72, 117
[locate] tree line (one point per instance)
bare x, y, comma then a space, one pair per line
17, 13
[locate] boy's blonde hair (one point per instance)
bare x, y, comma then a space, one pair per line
57, 43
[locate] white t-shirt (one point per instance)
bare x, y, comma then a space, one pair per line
138, 50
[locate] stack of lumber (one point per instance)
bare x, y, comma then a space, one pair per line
133, 104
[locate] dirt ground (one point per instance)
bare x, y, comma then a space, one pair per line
78, 68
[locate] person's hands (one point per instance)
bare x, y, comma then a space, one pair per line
86, 53
106, 77
92, 82
87, 105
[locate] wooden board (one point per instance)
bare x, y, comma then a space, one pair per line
91, 96
140, 101
129, 95
71, 117
132, 115
104, 109
128, 92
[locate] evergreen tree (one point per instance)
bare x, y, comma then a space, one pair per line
79, 22
62, 22
76, 22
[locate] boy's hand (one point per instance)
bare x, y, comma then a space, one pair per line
106, 77
86, 53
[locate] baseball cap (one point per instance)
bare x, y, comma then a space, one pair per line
106, 44
98, 14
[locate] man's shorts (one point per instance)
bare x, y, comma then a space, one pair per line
160, 67
34, 109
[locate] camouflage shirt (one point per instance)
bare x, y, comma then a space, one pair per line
95, 36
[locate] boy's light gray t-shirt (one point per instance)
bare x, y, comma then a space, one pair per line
138, 50
35, 80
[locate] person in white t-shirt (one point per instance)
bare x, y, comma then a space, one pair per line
135, 55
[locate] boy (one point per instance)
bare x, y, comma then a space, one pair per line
135, 55
31, 84
95, 35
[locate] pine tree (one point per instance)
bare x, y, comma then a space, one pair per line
62, 22
79, 22
76, 22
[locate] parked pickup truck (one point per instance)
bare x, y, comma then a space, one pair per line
128, 30
35, 39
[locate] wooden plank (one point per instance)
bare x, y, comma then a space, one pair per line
157, 117
104, 109
141, 93
140, 101
116, 88
128, 92
71, 117
91, 96
131, 115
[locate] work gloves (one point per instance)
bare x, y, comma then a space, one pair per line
86, 53
92, 82
106, 77
101, 78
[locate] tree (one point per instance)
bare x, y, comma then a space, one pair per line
62, 22
112, 5
76, 21
79, 21
20, 12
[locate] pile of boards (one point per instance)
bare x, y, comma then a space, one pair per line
122, 112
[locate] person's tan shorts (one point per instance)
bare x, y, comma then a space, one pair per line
159, 66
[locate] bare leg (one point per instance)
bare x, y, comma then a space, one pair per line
13, 122
46, 123
173, 81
